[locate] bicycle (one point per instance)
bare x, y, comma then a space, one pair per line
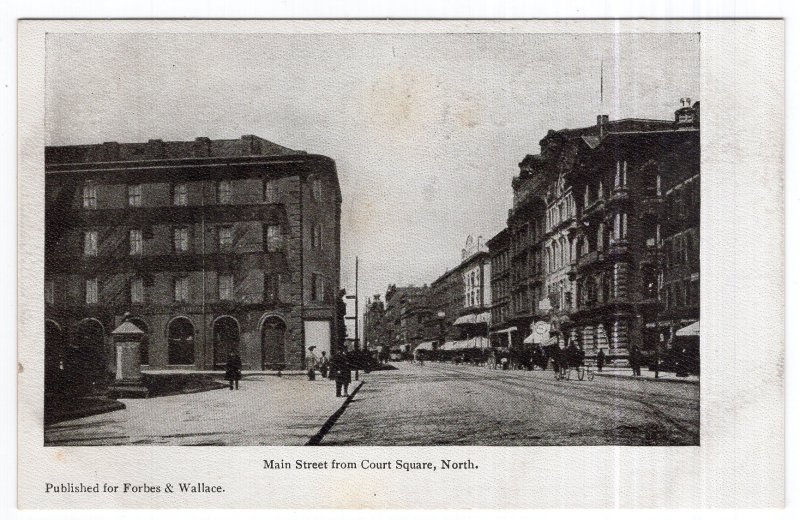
561, 374
585, 371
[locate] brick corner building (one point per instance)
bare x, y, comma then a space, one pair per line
206, 245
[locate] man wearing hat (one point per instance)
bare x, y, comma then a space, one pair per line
311, 362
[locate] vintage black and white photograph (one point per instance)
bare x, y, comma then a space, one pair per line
372, 239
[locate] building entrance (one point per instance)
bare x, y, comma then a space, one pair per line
273, 338
226, 339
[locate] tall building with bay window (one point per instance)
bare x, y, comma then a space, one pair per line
208, 246
602, 241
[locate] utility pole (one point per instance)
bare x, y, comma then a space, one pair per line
358, 344
355, 314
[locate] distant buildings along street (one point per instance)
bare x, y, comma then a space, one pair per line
601, 246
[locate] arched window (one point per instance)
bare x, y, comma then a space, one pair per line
225, 337
86, 361
180, 342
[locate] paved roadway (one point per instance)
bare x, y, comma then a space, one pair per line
444, 404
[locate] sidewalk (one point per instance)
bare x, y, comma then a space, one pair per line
221, 372
667, 377
265, 411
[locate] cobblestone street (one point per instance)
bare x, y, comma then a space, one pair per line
445, 404
267, 410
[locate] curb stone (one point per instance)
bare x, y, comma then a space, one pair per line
654, 380
317, 438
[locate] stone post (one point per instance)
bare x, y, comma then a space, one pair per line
128, 380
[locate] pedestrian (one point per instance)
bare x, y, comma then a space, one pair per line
635, 361
340, 369
324, 364
233, 369
311, 363
601, 359
572, 355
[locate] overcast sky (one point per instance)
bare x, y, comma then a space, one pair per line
426, 130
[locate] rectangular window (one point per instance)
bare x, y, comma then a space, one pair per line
624, 225
135, 241
48, 292
137, 290
317, 287
316, 189
90, 243
226, 287
90, 196
624, 173
181, 239
272, 283
135, 195
180, 194
271, 192
316, 239
274, 238
91, 291
224, 191
181, 289
225, 238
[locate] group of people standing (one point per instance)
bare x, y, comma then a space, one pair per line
337, 368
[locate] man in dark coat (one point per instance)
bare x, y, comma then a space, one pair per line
635, 361
340, 370
601, 359
233, 369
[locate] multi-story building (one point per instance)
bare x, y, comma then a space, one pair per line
500, 285
207, 246
560, 224
603, 236
526, 235
678, 235
400, 323
375, 334
623, 175
461, 300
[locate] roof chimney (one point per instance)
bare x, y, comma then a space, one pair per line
602, 124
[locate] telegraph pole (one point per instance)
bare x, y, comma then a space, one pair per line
358, 343
355, 314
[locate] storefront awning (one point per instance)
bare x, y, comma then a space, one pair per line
504, 331
689, 330
425, 345
472, 319
477, 342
